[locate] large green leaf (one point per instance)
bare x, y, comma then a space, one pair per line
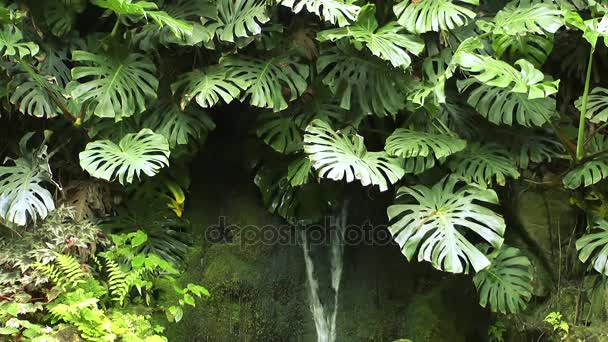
530, 145
116, 87
361, 82
11, 43
501, 106
433, 226
338, 156
483, 163
208, 87
280, 131
240, 18
591, 171
268, 80
179, 126
339, 12
506, 285
492, 72
597, 105
594, 246
407, 143
32, 97
433, 15
387, 42
22, 195
61, 15
144, 151
533, 48
147, 9
538, 18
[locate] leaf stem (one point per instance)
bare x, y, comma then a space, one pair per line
580, 143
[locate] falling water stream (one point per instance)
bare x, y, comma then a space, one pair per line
325, 316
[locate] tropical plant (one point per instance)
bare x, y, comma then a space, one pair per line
454, 106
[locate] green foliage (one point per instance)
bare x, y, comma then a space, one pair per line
335, 11
440, 15
594, 246
144, 151
208, 87
430, 226
506, 285
407, 143
482, 164
22, 195
119, 87
385, 42
591, 171
338, 156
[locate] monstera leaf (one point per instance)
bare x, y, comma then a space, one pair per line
436, 15
497, 73
535, 49
144, 151
406, 143
538, 18
32, 97
501, 106
530, 145
591, 171
240, 18
361, 82
387, 42
179, 126
299, 171
279, 131
147, 9
22, 194
337, 156
61, 15
433, 226
482, 163
267, 79
11, 44
506, 285
335, 11
208, 87
597, 105
116, 87
594, 246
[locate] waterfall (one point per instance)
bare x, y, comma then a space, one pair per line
325, 317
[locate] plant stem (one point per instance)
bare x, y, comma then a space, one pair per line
580, 150
115, 28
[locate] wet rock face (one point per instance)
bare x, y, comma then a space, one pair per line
258, 289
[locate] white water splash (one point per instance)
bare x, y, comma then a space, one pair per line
325, 322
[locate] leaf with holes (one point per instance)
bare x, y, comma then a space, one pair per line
597, 105
493, 72
115, 87
269, 79
22, 194
179, 126
337, 156
11, 44
407, 143
483, 163
594, 246
359, 82
335, 11
505, 286
387, 42
591, 171
143, 152
501, 106
539, 18
208, 87
433, 15
240, 18
432, 226
279, 131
